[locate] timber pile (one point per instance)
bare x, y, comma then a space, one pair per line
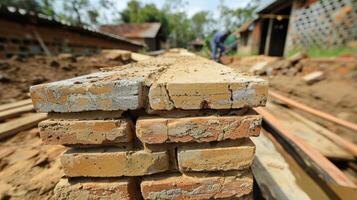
173, 127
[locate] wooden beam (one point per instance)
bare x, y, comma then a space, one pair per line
274, 174
313, 111
310, 156
312, 133
15, 111
14, 126
342, 142
15, 104
268, 37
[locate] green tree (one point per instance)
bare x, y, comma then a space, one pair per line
233, 18
32, 5
180, 30
138, 13
202, 23
47, 7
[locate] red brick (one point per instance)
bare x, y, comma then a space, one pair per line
221, 156
113, 162
197, 129
96, 188
198, 186
86, 132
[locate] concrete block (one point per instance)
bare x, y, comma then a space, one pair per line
220, 156
96, 188
86, 132
232, 185
111, 162
153, 130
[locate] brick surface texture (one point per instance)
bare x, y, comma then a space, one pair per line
112, 162
173, 82
86, 132
232, 185
103, 189
224, 156
197, 129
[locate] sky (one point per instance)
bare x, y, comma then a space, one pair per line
191, 8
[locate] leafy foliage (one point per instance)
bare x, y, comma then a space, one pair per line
177, 27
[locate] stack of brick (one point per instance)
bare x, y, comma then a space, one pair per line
174, 127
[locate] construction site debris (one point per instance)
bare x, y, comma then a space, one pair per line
312, 158
19, 124
39, 69
338, 73
274, 174
313, 77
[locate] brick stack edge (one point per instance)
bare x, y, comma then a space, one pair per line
173, 127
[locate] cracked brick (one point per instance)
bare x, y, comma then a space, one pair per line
86, 132
153, 130
113, 162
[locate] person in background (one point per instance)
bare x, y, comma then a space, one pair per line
217, 44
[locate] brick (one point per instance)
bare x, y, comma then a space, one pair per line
86, 132
232, 185
221, 156
183, 82
117, 88
96, 188
197, 129
97, 91
113, 162
197, 83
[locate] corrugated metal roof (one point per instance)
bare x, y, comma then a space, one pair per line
266, 5
133, 30
22, 14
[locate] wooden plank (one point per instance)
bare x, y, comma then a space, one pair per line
347, 145
310, 156
15, 111
313, 111
273, 173
297, 126
22, 123
15, 104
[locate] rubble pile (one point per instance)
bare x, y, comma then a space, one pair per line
172, 127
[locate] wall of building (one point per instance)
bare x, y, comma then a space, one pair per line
322, 24
250, 40
20, 39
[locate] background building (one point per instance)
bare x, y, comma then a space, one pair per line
149, 34
286, 25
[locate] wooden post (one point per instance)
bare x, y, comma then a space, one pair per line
268, 38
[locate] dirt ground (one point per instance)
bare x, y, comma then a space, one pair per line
18, 74
335, 94
28, 169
